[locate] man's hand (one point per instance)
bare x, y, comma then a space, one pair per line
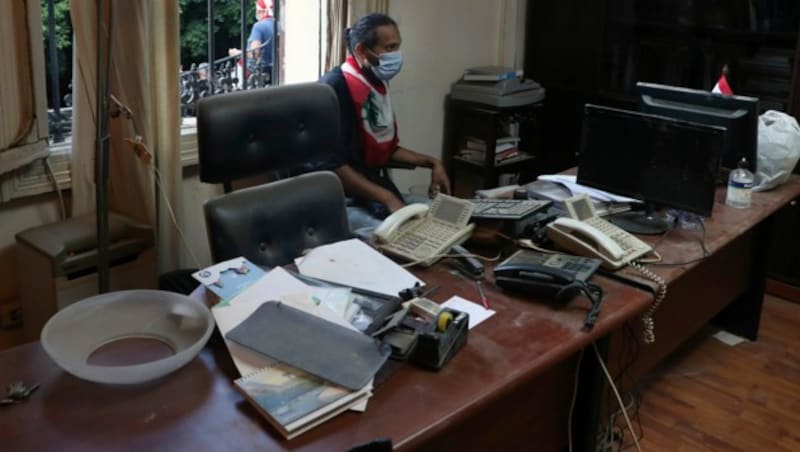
393, 204
234, 52
439, 180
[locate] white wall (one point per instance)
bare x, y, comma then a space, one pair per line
440, 39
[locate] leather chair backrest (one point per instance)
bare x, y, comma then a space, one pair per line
247, 133
271, 224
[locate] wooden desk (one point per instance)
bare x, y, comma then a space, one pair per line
726, 288
510, 387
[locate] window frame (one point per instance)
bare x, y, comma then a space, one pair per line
50, 168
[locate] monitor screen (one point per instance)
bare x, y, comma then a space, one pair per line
738, 114
659, 160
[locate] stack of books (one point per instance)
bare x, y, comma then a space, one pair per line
505, 150
294, 401
291, 397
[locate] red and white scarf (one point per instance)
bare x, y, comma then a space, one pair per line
374, 109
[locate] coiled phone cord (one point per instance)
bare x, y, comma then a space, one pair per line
661, 293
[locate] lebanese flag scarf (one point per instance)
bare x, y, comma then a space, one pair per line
374, 109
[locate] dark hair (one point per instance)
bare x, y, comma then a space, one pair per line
364, 31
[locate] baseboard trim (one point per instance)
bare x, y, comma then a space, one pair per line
783, 290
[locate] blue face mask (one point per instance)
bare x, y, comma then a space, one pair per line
389, 65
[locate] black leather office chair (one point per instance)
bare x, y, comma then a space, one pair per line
251, 132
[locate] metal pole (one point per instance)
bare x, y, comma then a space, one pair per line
243, 24
274, 78
212, 81
104, 44
53, 57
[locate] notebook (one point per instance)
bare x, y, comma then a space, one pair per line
294, 401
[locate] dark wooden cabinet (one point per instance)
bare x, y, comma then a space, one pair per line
596, 52
476, 130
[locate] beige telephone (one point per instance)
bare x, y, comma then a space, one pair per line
587, 234
423, 234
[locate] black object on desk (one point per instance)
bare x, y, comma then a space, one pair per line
556, 276
317, 346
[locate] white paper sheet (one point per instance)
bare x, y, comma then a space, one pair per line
578, 189
477, 313
354, 263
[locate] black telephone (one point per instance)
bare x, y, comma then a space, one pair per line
556, 276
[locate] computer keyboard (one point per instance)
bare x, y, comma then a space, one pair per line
506, 209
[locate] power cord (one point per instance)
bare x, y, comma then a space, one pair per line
145, 156
616, 394
53, 179
443, 255
574, 397
661, 293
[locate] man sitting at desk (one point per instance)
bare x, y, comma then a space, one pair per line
369, 138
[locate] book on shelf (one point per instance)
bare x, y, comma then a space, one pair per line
472, 155
507, 154
293, 401
517, 157
476, 144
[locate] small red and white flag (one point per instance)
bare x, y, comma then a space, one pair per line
722, 86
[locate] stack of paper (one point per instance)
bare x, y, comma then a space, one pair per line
291, 399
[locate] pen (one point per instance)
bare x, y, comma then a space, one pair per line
484, 301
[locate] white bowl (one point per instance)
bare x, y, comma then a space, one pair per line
75, 332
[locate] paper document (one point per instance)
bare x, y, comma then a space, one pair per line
477, 313
577, 189
353, 263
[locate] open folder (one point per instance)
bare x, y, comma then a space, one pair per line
325, 349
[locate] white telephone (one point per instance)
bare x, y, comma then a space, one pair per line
423, 234
587, 234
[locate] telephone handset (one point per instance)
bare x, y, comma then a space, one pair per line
392, 224
423, 234
585, 240
557, 276
586, 234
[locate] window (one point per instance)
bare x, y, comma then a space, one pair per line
35, 90
23, 100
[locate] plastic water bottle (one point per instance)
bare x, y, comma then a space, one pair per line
740, 186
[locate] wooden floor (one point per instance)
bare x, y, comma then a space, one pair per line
710, 396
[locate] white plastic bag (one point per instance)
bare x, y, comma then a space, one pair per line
778, 149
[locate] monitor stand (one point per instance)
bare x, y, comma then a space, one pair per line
646, 221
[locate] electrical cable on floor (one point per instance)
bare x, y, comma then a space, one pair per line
616, 394
572, 403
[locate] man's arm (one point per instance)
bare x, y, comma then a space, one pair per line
356, 184
439, 179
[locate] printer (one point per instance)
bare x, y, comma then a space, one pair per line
497, 86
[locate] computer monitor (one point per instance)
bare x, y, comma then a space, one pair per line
662, 161
738, 114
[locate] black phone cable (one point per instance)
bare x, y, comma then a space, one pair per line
592, 291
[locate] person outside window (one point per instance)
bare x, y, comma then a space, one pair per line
260, 41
